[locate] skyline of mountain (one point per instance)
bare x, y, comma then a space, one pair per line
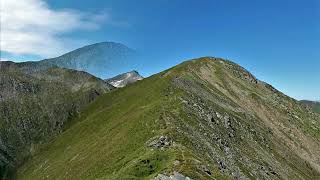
105, 60
269, 38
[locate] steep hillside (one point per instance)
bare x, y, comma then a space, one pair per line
124, 79
35, 106
313, 105
203, 119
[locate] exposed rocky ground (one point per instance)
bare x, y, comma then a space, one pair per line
246, 126
175, 176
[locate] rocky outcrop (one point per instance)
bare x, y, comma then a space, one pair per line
175, 176
124, 79
161, 143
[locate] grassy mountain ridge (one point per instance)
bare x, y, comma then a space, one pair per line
206, 118
35, 105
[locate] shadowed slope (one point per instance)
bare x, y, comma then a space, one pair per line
36, 104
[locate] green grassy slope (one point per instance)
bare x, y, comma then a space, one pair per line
317, 108
109, 140
220, 122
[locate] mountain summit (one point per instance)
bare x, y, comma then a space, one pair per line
207, 118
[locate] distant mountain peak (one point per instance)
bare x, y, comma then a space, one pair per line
124, 79
100, 59
101, 45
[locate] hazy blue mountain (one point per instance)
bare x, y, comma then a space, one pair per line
103, 60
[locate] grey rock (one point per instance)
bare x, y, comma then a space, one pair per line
124, 79
175, 176
161, 142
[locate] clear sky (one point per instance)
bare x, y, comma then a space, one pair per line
277, 40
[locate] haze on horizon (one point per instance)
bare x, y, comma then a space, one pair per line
277, 41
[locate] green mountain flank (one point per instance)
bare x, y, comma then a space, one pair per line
206, 118
312, 105
36, 104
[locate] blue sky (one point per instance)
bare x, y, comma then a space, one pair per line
278, 41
